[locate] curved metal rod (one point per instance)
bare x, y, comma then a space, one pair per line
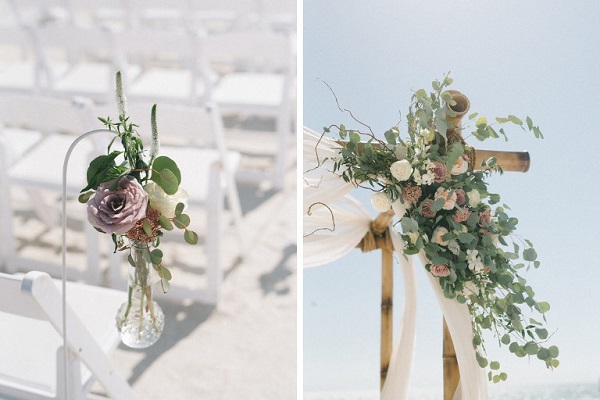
64, 250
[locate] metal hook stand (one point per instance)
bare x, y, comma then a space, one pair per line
64, 250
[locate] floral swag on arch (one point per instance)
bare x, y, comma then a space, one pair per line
463, 235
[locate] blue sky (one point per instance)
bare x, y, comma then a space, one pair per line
536, 58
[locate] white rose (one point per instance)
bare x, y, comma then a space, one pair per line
459, 167
427, 134
427, 179
474, 197
380, 202
401, 170
162, 202
438, 233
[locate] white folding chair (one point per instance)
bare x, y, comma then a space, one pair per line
112, 14
165, 64
49, 125
261, 85
208, 175
77, 61
19, 69
31, 339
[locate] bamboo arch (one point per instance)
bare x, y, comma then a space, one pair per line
378, 239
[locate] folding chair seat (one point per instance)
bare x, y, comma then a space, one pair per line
31, 341
19, 71
208, 176
77, 61
50, 126
165, 65
261, 84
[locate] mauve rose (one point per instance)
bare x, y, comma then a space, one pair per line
461, 215
439, 172
485, 218
426, 208
117, 211
440, 270
460, 197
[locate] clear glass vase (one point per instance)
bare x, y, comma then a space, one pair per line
140, 319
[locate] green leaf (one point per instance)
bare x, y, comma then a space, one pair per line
354, 137
505, 339
482, 361
553, 351
529, 123
165, 273
481, 121
529, 254
531, 348
390, 136
515, 120
84, 197
156, 256
100, 169
542, 333
543, 354
165, 223
146, 227
543, 307
409, 225
501, 120
179, 209
162, 164
465, 237
167, 180
437, 204
190, 237
495, 365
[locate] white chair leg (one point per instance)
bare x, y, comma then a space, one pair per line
7, 240
214, 234
233, 199
283, 133
73, 371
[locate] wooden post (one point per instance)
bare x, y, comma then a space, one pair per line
451, 372
387, 307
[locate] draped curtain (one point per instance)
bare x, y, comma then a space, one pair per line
334, 223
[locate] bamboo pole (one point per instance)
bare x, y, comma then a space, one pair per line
513, 161
451, 371
387, 318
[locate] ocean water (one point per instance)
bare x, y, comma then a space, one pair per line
548, 392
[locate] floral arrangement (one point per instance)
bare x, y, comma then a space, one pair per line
452, 217
134, 195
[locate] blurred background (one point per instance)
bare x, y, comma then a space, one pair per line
223, 74
535, 58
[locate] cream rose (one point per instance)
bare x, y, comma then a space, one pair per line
438, 233
380, 201
401, 170
474, 197
450, 199
162, 202
459, 167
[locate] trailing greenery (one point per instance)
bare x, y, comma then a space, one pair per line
466, 234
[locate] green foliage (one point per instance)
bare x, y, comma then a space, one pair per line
478, 241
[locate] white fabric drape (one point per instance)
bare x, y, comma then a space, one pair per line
324, 244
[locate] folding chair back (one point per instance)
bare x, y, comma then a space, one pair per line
32, 365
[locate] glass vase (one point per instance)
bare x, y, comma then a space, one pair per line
140, 319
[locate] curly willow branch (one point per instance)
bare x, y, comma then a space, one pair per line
309, 212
